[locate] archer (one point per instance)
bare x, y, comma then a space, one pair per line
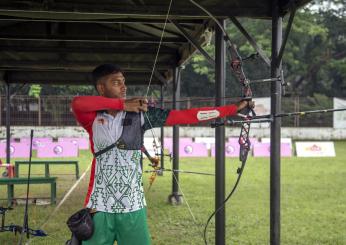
116, 126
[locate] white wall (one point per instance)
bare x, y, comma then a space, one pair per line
294, 133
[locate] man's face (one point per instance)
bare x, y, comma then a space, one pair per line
113, 86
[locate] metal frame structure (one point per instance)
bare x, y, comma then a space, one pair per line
61, 53
275, 130
220, 168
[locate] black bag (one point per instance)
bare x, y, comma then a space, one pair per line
73, 241
81, 224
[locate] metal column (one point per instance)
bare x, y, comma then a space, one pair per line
162, 160
175, 197
275, 128
8, 123
220, 74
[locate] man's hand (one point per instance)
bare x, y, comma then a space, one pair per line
136, 105
245, 103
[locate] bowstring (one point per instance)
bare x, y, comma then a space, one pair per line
158, 49
239, 73
152, 74
146, 95
187, 203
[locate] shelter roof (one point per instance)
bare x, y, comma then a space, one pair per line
61, 41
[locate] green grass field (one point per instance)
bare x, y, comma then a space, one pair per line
313, 202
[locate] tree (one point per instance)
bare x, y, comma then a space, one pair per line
314, 59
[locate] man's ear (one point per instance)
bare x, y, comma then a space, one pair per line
100, 88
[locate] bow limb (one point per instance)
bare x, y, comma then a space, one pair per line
158, 49
244, 142
213, 17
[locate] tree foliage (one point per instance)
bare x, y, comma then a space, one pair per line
314, 58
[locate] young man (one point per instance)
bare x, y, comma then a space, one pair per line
116, 126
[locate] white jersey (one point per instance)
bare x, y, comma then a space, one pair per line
118, 176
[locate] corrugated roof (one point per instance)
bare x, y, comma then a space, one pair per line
61, 41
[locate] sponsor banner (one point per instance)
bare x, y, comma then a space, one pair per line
315, 149
263, 150
82, 143
193, 150
231, 149
168, 143
16, 150
253, 141
181, 140
37, 142
339, 117
56, 149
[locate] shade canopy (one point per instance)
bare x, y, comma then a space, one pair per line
61, 41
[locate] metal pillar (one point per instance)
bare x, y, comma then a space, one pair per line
220, 74
275, 128
8, 122
162, 160
175, 197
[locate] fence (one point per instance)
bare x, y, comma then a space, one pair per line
42, 111
56, 110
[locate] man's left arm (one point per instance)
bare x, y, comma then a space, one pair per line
163, 117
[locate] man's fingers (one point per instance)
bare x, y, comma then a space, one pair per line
143, 102
143, 105
136, 105
144, 108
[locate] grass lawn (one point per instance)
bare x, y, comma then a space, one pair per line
313, 202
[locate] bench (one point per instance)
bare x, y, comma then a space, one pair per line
10, 182
46, 163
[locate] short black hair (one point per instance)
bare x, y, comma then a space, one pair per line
104, 70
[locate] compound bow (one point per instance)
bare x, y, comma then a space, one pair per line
247, 113
17, 228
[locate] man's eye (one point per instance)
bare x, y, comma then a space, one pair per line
119, 82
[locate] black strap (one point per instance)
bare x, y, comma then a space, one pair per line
96, 154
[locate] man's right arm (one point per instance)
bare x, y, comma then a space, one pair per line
85, 108
96, 103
